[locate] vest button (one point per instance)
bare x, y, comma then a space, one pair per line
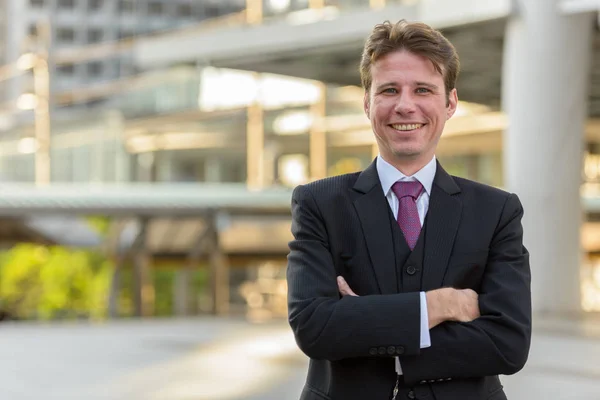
411, 270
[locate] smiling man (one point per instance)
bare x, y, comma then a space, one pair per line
404, 281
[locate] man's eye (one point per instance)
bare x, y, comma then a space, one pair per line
423, 90
390, 90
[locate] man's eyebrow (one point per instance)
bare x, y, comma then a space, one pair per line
387, 84
426, 84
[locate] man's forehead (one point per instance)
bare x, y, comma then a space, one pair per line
390, 61
400, 76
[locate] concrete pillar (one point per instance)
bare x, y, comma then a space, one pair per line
182, 290
254, 12
220, 278
316, 4
255, 145
98, 172
545, 77
119, 256
219, 268
318, 137
143, 296
115, 130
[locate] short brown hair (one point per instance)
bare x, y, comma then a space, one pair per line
416, 37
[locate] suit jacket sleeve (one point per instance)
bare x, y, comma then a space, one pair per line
497, 342
329, 327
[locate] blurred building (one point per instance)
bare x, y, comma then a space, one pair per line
76, 23
60, 28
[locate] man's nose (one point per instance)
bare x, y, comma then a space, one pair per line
405, 104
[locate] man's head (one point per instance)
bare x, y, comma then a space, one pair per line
417, 38
409, 71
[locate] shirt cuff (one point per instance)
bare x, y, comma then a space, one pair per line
425, 337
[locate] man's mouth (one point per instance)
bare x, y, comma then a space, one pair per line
407, 127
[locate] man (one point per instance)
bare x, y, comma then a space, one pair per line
434, 280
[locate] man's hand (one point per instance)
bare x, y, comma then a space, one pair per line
448, 304
344, 288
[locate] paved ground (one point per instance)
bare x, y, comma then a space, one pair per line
229, 359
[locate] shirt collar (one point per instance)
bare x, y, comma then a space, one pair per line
388, 175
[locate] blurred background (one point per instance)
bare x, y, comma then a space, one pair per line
148, 149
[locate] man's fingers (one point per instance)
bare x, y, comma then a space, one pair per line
471, 293
344, 288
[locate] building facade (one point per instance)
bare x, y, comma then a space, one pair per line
529, 123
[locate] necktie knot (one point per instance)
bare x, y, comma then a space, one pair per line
403, 189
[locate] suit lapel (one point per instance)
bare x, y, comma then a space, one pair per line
372, 208
443, 217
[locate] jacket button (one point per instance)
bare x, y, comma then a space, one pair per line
399, 350
382, 351
391, 350
411, 270
373, 351
411, 395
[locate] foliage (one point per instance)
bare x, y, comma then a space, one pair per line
39, 282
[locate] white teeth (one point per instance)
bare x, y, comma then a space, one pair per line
406, 127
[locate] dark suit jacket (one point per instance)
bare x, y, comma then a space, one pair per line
473, 240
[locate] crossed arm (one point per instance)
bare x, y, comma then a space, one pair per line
445, 304
464, 344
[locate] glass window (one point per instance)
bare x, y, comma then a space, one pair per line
95, 35
126, 6
67, 4
125, 33
211, 10
95, 4
65, 35
32, 30
155, 8
61, 165
184, 10
66, 69
95, 68
81, 158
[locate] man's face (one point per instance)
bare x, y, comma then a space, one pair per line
408, 107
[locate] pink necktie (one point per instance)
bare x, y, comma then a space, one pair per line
408, 215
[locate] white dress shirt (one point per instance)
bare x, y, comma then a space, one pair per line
388, 175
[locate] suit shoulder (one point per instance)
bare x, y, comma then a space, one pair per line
480, 189
332, 185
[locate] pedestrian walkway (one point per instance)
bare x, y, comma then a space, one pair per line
230, 359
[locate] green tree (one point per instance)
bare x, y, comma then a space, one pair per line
53, 282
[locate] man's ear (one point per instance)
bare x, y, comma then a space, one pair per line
367, 104
452, 103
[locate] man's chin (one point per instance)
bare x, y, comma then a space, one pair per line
407, 154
